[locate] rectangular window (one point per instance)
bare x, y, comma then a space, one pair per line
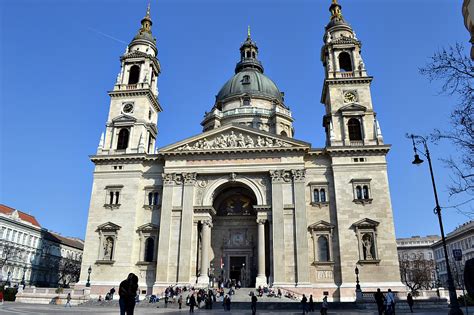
113, 196
319, 193
362, 191
152, 197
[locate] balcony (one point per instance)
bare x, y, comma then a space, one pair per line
356, 143
129, 87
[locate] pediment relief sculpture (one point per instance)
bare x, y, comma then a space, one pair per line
232, 141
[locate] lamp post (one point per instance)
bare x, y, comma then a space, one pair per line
23, 277
88, 284
454, 310
7, 283
359, 296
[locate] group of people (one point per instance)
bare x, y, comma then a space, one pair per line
386, 303
308, 305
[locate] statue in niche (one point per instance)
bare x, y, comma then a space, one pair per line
367, 246
237, 205
108, 248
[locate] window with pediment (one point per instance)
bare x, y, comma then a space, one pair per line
148, 235
108, 235
321, 233
366, 232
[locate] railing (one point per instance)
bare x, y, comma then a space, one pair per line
128, 87
247, 110
356, 143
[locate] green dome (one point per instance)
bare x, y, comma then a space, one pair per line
251, 82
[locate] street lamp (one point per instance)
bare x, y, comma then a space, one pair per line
455, 310
7, 283
88, 284
357, 279
23, 278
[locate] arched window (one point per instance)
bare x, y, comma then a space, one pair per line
359, 192
345, 62
111, 201
248, 54
316, 195
134, 74
123, 136
152, 198
355, 132
246, 79
322, 195
284, 134
149, 249
323, 249
365, 190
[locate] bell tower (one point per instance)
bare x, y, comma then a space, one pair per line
132, 122
350, 119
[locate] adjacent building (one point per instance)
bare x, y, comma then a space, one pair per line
468, 14
32, 255
244, 200
417, 263
462, 238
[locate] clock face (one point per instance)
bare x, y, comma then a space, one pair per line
127, 108
350, 97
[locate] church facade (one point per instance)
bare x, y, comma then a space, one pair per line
244, 200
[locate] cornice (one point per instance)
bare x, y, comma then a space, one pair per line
234, 151
138, 92
349, 151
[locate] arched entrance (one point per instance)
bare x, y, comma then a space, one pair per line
234, 234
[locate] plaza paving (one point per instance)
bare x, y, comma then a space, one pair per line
34, 309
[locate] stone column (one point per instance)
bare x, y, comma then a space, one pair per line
169, 180
261, 278
187, 213
206, 242
279, 177
301, 228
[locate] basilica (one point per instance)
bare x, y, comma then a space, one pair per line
244, 200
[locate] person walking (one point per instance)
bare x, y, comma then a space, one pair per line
192, 303
379, 300
68, 300
304, 304
227, 303
324, 306
127, 292
253, 303
1, 296
390, 303
311, 303
410, 301
180, 301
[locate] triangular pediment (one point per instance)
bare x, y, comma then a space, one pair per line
321, 226
109, 226
148, 227
234, 138
124, 119
353, 107
366, 223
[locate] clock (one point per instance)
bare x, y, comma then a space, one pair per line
350, 97
127, 108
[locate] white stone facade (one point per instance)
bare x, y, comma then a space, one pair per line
245, 200
30, 254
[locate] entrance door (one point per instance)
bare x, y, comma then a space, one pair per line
237, 269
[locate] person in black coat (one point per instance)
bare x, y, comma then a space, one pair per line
127, 292
254, 304
379, 299
311, 303
410, 301
304, 303
192, 303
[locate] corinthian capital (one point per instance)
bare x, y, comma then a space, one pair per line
172, 178
280, 176
189, 178
298, 175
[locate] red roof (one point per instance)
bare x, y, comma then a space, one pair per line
23, 216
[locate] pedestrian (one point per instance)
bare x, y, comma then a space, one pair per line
227, 303
192, 303
410, 301
180, 301
324, 306
311, 303
68, 300
304, 302
127, 292
379, 299
224, 301
112, 292
1, 296
279, 293
254, 303
390, 303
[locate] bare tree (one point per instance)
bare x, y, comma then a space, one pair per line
8, 252
455, 70
68, 271
417, 274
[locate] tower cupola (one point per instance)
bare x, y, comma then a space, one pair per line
249, 56
144, 38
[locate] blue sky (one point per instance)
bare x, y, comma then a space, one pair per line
58, 60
